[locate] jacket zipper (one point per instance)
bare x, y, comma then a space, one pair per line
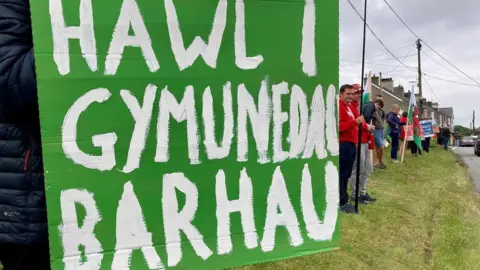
27, 156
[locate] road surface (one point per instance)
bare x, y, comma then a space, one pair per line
473, 163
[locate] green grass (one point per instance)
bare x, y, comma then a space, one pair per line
427, 217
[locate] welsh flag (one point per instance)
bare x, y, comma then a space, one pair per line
366, 92
414, 121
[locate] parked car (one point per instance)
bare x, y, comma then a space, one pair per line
477, 148
468, 141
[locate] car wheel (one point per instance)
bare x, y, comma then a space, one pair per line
477, 153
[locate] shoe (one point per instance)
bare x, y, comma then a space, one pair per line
367, 198
380, 166
348, 209
361, 200
395, 160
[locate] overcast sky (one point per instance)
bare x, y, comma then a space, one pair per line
452, 28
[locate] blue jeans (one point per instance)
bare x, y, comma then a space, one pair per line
379, 137
446, 142
395, 144
347, 158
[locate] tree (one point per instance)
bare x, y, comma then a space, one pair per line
464, 131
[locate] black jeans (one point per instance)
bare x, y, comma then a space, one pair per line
395, 144
347, 158
426, 144
414, 148
28, 257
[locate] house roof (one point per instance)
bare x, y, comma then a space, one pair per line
448, 111
387, 92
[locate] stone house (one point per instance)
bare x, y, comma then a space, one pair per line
446, 116
396, 95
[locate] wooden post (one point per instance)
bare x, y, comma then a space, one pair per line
369, 81
404, 146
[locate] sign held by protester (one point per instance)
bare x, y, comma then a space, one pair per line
427, 128
188, 134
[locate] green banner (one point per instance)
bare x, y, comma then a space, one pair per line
188, 134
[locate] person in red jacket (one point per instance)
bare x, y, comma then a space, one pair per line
348, 139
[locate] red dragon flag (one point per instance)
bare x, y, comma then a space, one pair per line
413, 118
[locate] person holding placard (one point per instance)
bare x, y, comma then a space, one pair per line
348, 139
23, 215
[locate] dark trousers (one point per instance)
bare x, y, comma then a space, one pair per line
347, 158
25, 257
426, 145
439, 139
395, 144
446, 142
413, 147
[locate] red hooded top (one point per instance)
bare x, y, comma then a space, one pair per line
347, 125
402, 129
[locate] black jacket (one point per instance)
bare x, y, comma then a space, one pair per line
368, 111
23, 217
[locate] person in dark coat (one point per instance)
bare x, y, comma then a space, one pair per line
23, 218
395, 126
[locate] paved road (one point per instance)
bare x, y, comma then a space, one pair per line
473, 163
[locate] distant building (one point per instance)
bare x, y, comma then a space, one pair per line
446, 116
396, 95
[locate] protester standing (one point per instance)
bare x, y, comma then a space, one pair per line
395, 125
348, 139
439, 136
446, 132
403, 119
23, 215
378, 120
366, 167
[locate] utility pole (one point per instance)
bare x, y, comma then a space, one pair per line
473, 122
380, 81
420, 93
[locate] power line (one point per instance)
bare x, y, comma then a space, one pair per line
398, 60
443, 74
431, 90
393, 50
370, 63
451, 71
374, 61
402, 60
373, 33
445, 80
384, 59
426, 44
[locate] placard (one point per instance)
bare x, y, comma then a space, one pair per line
188, 134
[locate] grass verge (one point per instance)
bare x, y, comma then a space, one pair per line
427, 217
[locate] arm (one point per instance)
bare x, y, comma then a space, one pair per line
18, 87
364, 126
346, 125
368, 111
390, 120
